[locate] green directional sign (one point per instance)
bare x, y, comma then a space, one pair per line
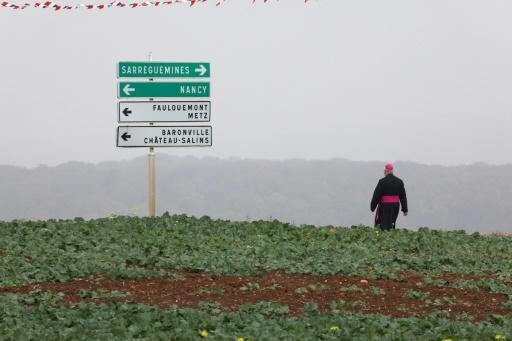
162, 70
163, 89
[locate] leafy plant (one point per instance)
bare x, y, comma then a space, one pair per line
337, 306
377, 290
411, 293
101, 293
210, 291
487, 284
508, 304
250, 287
357, 303
210, 307
311, 308
445, 300
301, 290
318, 287
265, 308
437, 282
352, 288
274, 286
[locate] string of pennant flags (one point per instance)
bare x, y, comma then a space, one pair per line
115, 4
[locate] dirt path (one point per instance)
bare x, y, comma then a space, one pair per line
357, 294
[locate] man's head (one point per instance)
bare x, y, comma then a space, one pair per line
388, 169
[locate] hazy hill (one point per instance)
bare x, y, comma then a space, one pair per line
337, 192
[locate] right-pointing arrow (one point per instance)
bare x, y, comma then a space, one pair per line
126, 136
201, 70
127, 90
127, 112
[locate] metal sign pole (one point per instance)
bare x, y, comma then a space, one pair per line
151, 173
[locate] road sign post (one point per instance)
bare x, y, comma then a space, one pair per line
132, 85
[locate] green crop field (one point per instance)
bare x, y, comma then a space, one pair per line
185, 278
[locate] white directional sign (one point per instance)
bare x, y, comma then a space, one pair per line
159, 111
164, 136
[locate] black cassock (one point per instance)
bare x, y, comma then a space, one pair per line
387, 197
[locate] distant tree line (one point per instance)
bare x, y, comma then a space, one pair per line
333, 192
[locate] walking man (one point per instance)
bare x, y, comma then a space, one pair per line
387, 197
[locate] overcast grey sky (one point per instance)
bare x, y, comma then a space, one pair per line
424, 81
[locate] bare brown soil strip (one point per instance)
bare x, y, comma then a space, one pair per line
356, 294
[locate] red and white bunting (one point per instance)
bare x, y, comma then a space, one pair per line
115, 4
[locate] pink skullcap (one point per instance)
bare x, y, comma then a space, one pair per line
389, 166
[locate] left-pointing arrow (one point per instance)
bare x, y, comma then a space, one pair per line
127, 112
126, 136
127, 90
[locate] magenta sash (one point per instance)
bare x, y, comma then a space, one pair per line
389, 199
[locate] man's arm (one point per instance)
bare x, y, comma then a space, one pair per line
376, 197
403, 199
